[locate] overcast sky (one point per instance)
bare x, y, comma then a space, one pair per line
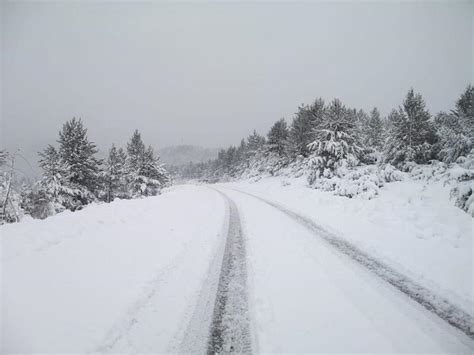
209, 73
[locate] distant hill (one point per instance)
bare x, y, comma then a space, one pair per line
183, 154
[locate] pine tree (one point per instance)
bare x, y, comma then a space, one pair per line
277, 139
337, 143
54, 179
115, 173
255, 142
374, 135
456, 130
54, 191
145, 175
135, 151
304, 125
78, 156
411, 132
241, 152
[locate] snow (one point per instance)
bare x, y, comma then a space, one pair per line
305, 298
119, 277
141, 276
411, 225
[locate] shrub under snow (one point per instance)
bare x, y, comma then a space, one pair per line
363, 181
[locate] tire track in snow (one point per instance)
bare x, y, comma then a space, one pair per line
434, 303
230, 327
123, 326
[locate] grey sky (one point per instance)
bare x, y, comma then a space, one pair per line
208, 73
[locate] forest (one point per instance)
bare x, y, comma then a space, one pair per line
337, 148
73, 176
352, 152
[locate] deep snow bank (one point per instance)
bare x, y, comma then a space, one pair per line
76, 282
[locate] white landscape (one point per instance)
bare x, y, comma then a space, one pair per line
137, 276
237, 177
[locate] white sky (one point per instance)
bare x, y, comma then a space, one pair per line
209, 73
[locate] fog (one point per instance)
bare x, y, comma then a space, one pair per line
208, 73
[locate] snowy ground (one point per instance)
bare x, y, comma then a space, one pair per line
411, 225
146, 275
306, 298
120, 277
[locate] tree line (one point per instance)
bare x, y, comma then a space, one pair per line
326, 137
73, 176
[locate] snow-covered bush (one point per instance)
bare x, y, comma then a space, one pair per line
389, 173
463, 195
363, 181
461, 175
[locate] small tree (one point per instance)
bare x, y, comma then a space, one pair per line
411, 133
277, 139
145, 175
336, 143
115, 174
374, 136
78, 157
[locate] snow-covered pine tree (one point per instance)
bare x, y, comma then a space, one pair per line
304, 125
241, 152
456, 130
277, 138
337, 144
255, 142
230, 161
115, 174
156, 175
375, 131
54, 192
78, 157
145, 175
411, 134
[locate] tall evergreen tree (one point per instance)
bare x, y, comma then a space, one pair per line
304, 125
115, 174
55, 174
78, 155
255, 142
277, 139
411, 132
135, 151
374, 134
456, 130
337, 143
241, 152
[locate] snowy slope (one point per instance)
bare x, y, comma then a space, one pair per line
411, 226
119, 277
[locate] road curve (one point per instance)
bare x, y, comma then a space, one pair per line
305, 296
434, 303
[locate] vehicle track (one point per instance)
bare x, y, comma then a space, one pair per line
230, 327
434, 303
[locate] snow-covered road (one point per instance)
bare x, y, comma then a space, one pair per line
197, 270
307, 297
